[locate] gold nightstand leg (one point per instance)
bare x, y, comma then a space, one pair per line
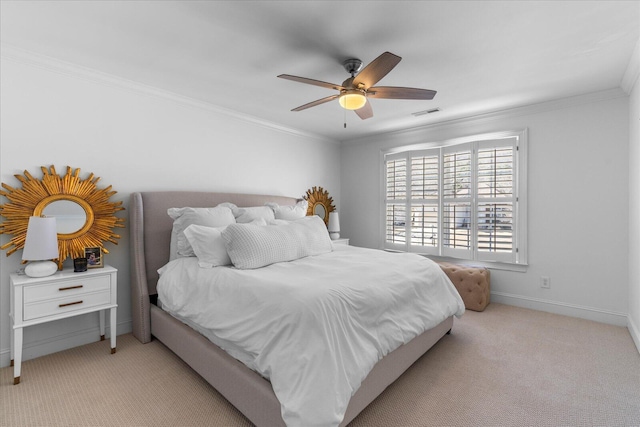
16, 380
113, 350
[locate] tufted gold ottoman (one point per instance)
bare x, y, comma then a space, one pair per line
473, 284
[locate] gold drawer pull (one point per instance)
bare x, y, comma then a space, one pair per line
70, 287
70, 303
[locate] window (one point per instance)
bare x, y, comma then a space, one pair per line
460, 199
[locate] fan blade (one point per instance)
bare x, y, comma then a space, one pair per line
377, 69
391, 92
365, 112
318, 102
311, 81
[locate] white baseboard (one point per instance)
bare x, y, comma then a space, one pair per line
62, 342
572, 310
634, 330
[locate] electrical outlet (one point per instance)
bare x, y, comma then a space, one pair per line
545, 282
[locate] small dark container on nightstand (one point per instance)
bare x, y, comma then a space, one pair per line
79, 265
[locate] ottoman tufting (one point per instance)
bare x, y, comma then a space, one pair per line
473, 284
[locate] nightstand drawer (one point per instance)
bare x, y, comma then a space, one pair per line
63, 305
67, 288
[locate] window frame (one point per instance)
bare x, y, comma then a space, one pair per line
516, 259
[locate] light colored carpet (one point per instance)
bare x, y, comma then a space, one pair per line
506, 366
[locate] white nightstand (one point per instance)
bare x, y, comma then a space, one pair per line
36, 300
341, 241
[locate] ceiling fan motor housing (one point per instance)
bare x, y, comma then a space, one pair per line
352, 65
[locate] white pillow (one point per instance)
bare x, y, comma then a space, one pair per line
218, 216
297, 211
208, 245
253, 247
228, 205
245, 215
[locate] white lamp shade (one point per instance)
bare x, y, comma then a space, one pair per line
334, 225
42, 239
334, 222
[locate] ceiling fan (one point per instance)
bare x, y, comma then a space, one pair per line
356, 89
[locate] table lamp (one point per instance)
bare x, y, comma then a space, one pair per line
334, 226
40, 247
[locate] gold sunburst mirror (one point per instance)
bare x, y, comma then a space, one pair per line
319, 203
85, 216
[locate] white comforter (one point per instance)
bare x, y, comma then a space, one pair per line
316, 326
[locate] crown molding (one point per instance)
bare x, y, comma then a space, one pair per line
32, 59
487, 117
633, 70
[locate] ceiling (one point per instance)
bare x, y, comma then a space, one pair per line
481, 56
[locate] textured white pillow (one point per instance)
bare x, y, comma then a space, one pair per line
278, 222
254, 247
208, 245
289, 213
218, 216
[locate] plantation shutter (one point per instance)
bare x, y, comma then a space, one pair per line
424, 202
395, 202
458, 200
496, 202
457, 174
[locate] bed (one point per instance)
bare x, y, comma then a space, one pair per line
245, 388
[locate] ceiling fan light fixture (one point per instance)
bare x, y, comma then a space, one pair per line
352, 99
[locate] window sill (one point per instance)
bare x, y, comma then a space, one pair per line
519, 268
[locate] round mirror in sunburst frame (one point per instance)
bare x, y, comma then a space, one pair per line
71, 200
319, 203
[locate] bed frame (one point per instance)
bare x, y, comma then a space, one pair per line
249, 392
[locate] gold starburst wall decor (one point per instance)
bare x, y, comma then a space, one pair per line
65, 197
319, 203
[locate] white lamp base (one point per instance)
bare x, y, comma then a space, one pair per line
334, 235
40, 268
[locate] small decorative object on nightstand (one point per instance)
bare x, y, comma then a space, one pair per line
79, 265
36, 300
334, 226
94, 257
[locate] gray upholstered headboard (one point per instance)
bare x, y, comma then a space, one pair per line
150, 229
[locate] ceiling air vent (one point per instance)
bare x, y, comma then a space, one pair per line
422, 113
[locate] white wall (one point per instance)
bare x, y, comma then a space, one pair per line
578, 210
136, 139
634, 210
